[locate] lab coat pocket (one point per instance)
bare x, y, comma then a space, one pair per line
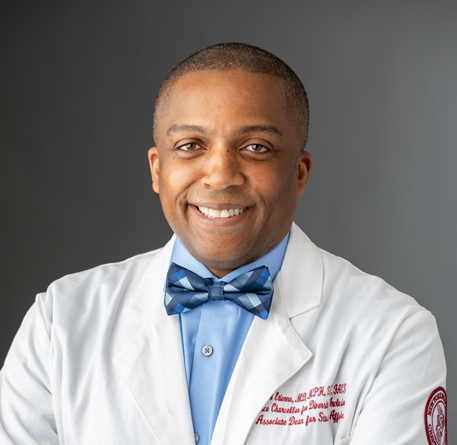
344, 441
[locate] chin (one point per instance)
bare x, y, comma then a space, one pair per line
221, 259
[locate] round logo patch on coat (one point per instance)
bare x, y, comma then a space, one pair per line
436, 417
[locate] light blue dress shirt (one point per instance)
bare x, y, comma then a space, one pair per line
221, 325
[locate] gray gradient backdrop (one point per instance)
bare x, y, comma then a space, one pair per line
78, 82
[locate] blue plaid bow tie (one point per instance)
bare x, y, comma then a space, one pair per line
185, 290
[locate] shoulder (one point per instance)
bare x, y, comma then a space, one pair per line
342, 302
364, 295
369, 321
102, 291
96, 278
87, 310
316, 279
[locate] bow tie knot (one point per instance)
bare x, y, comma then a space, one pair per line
185, 290
216, 290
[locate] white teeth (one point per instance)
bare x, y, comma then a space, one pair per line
212, 213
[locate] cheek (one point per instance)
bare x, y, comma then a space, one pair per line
174, 183
278, 185
281, 194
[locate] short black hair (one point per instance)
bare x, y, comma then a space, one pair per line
240, 56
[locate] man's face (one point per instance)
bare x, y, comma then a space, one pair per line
228, 166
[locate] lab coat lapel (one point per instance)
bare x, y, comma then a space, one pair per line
273, 352
152, 365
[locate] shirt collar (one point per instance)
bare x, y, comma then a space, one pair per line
273, 260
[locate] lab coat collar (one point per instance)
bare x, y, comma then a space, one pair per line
302, 269
152, 365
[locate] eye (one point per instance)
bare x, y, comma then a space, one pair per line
191, 146
257, 148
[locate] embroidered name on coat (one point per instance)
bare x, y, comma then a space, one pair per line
319, 404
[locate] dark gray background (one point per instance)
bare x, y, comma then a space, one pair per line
78, 83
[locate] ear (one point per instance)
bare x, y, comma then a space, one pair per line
153, 155
304, 164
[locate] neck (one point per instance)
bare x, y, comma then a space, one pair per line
220, 272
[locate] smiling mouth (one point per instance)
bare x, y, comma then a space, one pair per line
227, 213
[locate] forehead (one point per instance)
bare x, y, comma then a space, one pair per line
216, 82
226, 98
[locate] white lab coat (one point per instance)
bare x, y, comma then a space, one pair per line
98, 361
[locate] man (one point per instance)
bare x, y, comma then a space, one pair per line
264, 338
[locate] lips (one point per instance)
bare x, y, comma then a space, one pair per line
224, 213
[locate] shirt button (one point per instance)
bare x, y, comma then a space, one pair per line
196, 437
207, 350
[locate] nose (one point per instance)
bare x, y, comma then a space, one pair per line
223, 169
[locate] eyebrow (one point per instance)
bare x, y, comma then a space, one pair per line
261, 128
186, 128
